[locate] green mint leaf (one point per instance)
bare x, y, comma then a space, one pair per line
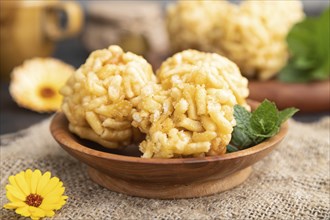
323, 34
304, 62
271, 133
286, 114
308, 43
242, 116
242, 131
264, 119
231, 148
253, 128
299, 39
242, 138
318, 73
290, 74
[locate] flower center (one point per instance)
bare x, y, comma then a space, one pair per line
34, 200
47, 92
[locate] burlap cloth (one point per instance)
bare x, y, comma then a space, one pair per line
293, 182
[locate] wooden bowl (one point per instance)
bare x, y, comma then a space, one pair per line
308, 97
124, 171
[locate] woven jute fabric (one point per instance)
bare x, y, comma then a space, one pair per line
293, 182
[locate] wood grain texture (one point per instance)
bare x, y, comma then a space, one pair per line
173, 191
122, 165
310, 97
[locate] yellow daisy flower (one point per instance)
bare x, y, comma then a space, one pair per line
35, 84
34, 195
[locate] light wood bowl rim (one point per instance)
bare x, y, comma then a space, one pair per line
59, 130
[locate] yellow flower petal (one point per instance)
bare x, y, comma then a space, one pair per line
50, 186
51, 200
14, 205
49, 213
57, 203
13, 182
49, 206
54, 195
28, 175
43, 182
16, 192
12, 198
35, 180
62, 203
36, 212
24, 211
46, 206
6, 206
21, 182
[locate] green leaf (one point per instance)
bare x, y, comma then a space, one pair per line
309, 45
241, 138
242, 116
231, 148
290, 74
253, 128
304, 62
318, 73
242, 130
323, 34
286, 114
300, 39
264, 119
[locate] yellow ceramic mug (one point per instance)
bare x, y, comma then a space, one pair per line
30, 28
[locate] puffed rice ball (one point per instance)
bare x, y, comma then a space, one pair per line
191, 112
252, 34
191, 24
208, 69
99, 97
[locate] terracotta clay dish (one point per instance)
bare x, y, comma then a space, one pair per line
126, 172
311, 97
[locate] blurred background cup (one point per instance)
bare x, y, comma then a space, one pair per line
31, 28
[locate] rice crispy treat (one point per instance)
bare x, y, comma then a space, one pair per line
191, 24
252, 34
99, 97
190, 113
208, 69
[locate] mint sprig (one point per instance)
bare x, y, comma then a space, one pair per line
309, 44
264, 122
